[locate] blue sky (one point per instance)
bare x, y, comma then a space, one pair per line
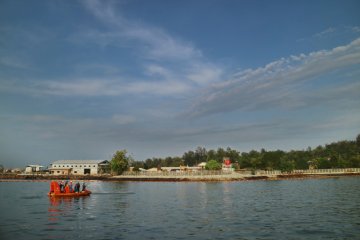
81, 79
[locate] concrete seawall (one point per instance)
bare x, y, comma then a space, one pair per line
178, 177
227, 177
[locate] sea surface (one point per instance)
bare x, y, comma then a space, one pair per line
285, 209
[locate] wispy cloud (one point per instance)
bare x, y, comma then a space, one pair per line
96, 87
325, 32
157, 44
354, 29
279, 83
332, 32
158, 53
203, 74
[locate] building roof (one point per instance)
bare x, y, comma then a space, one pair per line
154, 169
202, 164
79, 161
170, 168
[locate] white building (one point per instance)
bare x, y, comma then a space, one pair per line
79, 167
34, 169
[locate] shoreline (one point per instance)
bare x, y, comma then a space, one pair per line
208, 178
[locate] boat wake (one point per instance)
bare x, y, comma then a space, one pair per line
112, 193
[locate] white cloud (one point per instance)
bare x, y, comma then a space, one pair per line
205, 73
158, 70
77, 88
158, 88
97, 87
325, 33
354, 29
278, 84
158, 44
172, 65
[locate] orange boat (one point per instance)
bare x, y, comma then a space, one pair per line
72, 194
55, 191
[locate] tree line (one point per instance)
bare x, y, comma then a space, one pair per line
341, 154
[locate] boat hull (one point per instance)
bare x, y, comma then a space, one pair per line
77, 194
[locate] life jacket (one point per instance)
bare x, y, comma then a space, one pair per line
67, 189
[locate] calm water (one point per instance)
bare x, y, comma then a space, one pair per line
294, 209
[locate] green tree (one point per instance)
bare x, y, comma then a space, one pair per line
176, 162
255, 159
255, 163
200, 155
189, 158
244, 160
120, 162
286, 164
220, 154
138, 164
213, 165
322, 163
271, 160
233, 155
211, 154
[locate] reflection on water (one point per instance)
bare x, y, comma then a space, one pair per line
61, 210
203, 195
62, 206
306, 209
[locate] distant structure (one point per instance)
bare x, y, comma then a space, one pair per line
227, 166
202, 165
79, 167
177, 169
16, 170
34, 169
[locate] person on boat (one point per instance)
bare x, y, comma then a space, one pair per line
61, 184
55, 189
67, 188
77, 187
83, 187
71, 187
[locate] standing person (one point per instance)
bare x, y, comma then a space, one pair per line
83, 187
71, 186
77, 187
61, 184
67, 188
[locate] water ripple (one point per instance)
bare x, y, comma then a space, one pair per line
316, 209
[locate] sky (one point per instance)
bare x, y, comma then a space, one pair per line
82, 79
